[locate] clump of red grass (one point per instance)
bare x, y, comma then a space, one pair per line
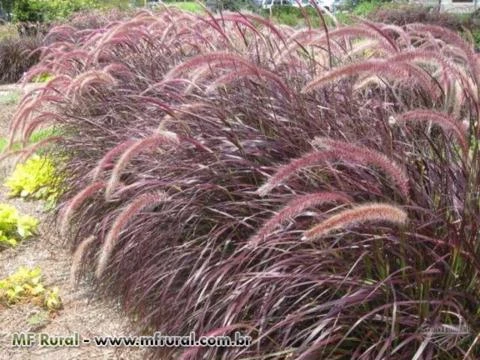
408, 13
365, 238
17, 56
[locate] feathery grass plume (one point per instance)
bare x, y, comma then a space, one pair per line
362, 154
119, 69
237, 19
295, 207
109, 156
160, 138
52, 86
416, 75
75, 203
445, 121
295, 40
119, 224
338, 150
454, 39
119, 29
266, 23
449, 69
209, 59
357, 31
24, 113
319, 38
379, 30
284, 172
378, 67
165, 83
249, 72
90, 77
400, 32
78, 258
64, 31
378, 212
358, 49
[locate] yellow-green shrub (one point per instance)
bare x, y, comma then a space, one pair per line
15, 227
37, 178
26, 285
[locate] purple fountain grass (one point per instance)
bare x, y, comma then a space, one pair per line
107, 160
310, 159
75, 203
452, 38
89, 78
210, 59
78, 258
189, 261
338, 150
161, 138
445, 121
14, 56
375, 66
369, 156
306, 38
121, 220
450, 70
362, 213
249, 72
24, 113
294, 208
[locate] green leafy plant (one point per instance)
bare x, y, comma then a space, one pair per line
42, 78
476, 38
37, 136
25, 285
38, 320
46, 11
293, 16
365, 8
37, 178
15, 227
189, 6
38, 10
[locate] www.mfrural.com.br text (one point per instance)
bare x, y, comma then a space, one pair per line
156, 340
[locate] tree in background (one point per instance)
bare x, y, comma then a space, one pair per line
50, 10
6, 8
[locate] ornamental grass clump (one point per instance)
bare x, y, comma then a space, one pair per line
315, 189
17, 56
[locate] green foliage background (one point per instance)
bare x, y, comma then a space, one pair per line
51, 10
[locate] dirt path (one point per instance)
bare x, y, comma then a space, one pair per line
83, 313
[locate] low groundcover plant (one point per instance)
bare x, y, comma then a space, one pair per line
15, 227
38, 178
25, 285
